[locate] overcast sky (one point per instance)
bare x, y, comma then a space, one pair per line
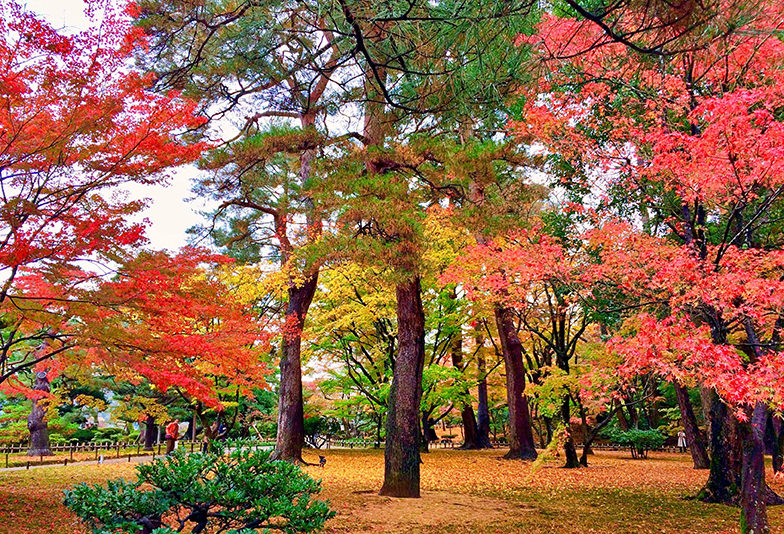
169, 213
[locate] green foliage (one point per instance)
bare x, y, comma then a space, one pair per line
108, 434
639, 441
240, 491
318, 426
83, 435
119, 507
443, 385
13, 420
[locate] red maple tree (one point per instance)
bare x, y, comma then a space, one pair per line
693, 141
76, 121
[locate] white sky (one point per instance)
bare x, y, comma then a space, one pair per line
169, 214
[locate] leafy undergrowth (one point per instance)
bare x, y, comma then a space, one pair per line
464, 492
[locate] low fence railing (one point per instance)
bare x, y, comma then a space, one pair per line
106, 449
92, 450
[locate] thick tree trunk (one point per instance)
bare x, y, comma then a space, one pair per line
470, 431
521, 436
401, 455
36, 421
150, 431
754, 516
482, 407
291, 426
724, 477
699, 452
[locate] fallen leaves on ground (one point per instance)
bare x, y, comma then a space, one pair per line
464, 492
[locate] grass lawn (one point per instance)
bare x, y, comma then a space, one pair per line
463, 492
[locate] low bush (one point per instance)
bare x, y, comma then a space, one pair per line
639, 441
240, 492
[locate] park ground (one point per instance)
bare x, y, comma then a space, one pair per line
464, 492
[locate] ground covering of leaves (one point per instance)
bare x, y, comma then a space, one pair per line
21, 459
464, 492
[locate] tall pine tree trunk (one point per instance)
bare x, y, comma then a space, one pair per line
291, 426
401, 455
36, 421
521, 436
699, 452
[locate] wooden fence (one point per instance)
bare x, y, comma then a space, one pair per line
121, 449
103, 449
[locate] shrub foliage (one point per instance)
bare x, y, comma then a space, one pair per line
239, 492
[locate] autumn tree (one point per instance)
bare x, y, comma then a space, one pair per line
266, 69
354, 331
76, 122
547, 281
174, 320
686, 154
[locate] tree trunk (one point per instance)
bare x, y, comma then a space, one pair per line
482, 408
150, 431
592, 436
777, 425
724, 477
193, 426
470, 431
379, 422
428, 432
706, 396
699, 452
291, 426
548, 425
36, 421
521, 436
401, 455
570, 450
754, 516
634, 417
623, 422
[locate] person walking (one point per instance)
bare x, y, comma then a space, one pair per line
172, 431
682, 441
